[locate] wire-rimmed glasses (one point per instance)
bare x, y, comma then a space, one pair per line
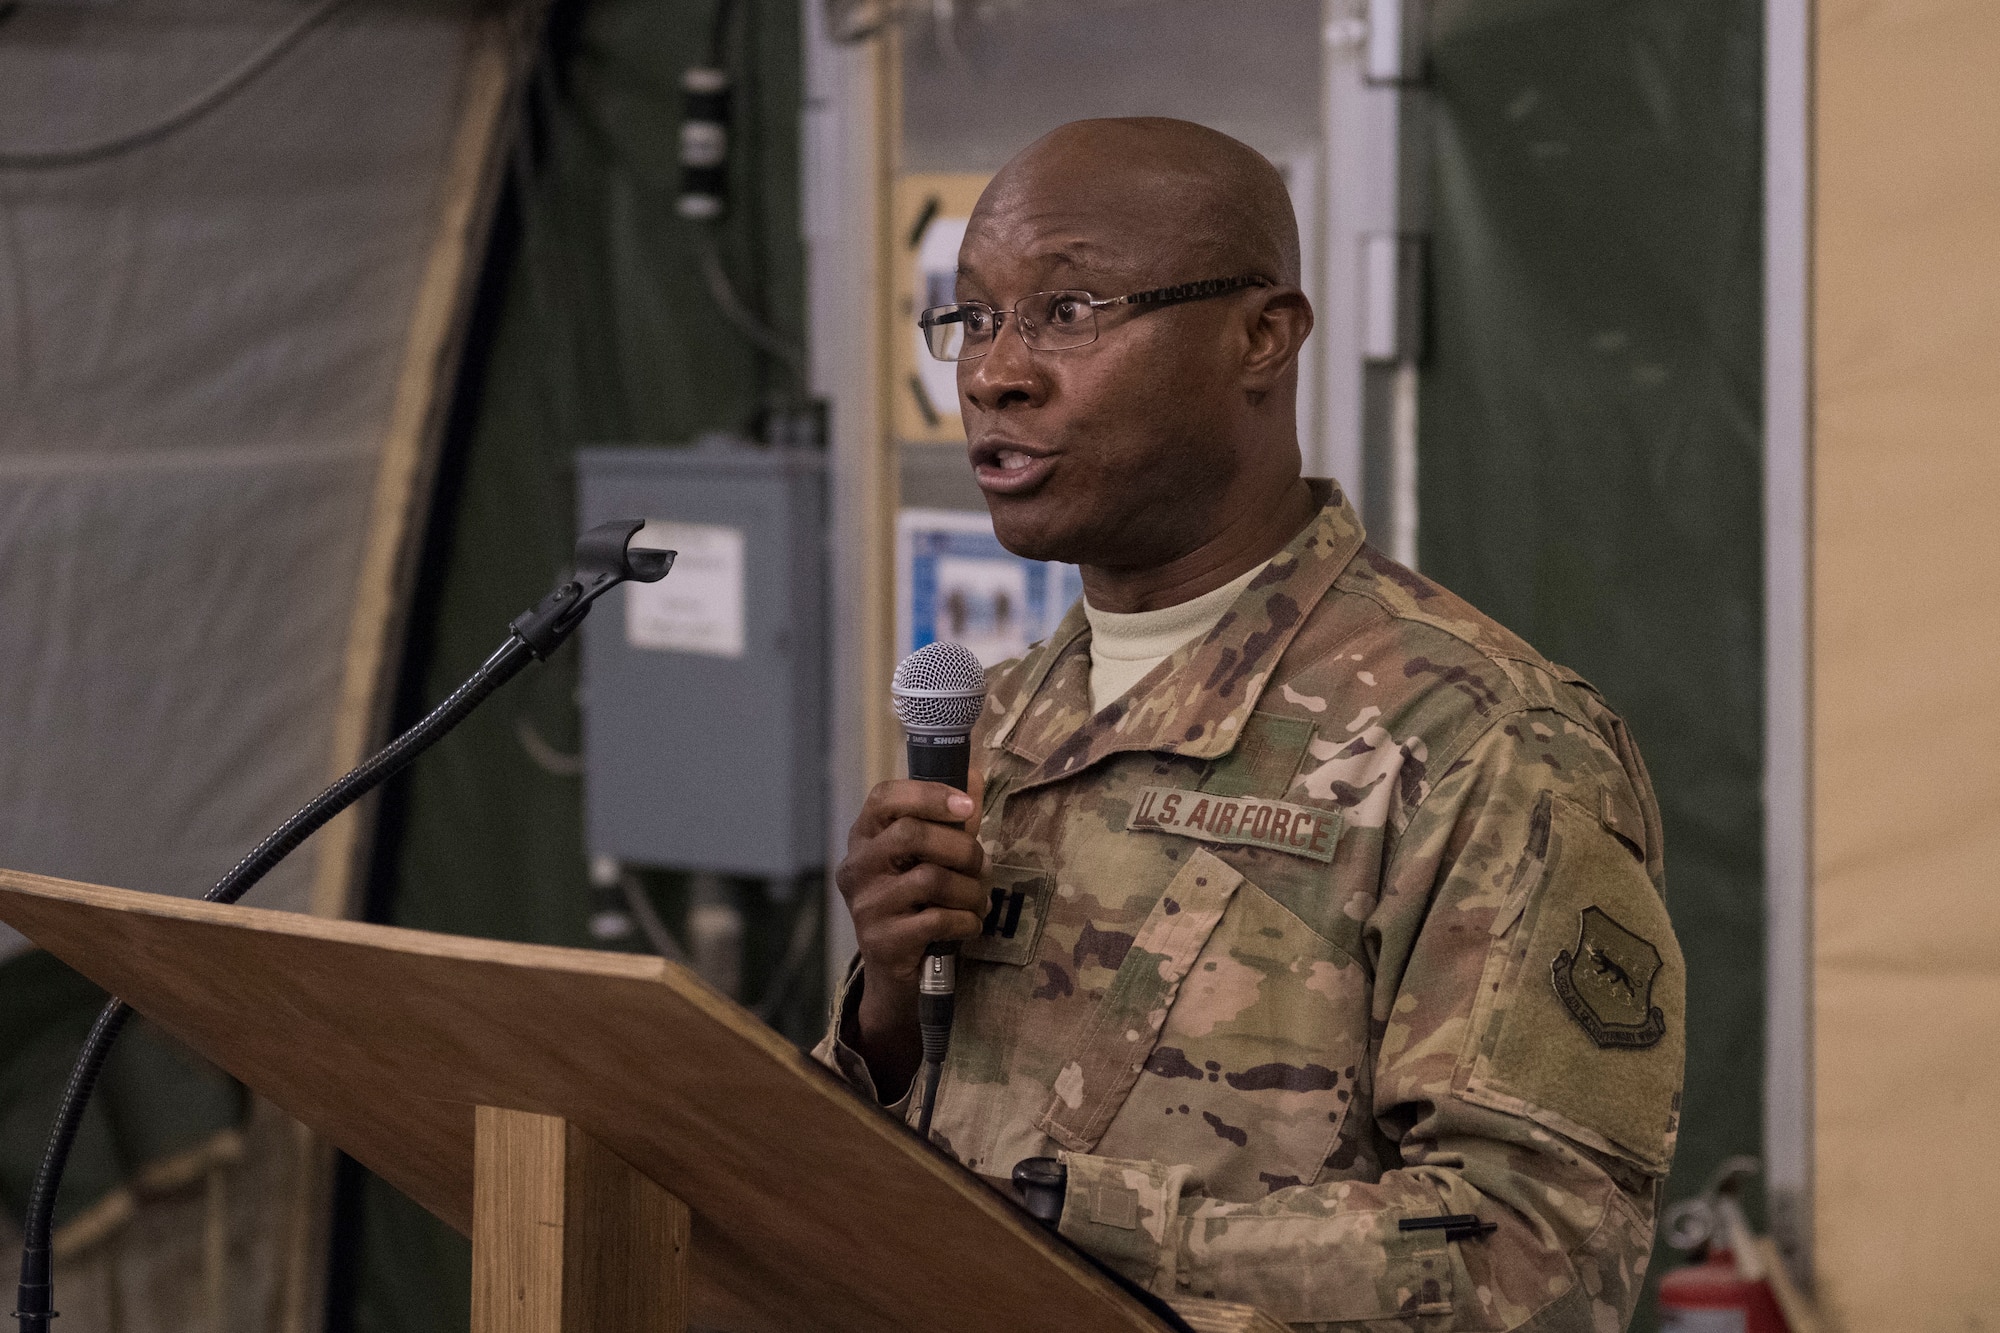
1051, 321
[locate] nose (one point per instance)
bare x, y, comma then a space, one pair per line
1007, 376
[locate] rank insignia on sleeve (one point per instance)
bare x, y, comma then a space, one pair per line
1606, 983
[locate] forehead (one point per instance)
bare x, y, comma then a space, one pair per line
1082, 242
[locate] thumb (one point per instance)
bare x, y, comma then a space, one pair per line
975, 787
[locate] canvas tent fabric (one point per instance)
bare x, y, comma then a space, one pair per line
200, 342
1590, 431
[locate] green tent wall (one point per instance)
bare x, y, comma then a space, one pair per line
1590, 431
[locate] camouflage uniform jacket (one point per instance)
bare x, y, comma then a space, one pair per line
1349, 914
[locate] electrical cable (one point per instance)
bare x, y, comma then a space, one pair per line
723, 293
944, 30
721, 288
729, 42
798, 951
640, 905
933, 1071
556, 763
185, 114
798, 948
724, 35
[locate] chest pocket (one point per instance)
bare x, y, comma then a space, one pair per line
1107, 1054
1017, 907
1258, 1063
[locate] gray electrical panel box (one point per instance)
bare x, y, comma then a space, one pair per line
704, 695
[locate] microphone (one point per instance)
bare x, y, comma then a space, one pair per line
939, 693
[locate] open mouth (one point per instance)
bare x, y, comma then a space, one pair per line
1004, 467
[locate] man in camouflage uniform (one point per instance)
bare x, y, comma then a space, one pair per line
1348, 916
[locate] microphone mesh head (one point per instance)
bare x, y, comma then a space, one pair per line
940, 688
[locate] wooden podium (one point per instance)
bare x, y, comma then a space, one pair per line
626, 1148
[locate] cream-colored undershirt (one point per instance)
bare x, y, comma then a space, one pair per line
1125, 645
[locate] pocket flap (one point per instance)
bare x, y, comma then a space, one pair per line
1112, 1045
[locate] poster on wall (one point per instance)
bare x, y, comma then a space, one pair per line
955, 581
934, 384
932, 209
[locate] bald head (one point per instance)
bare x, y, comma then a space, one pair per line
1159, 452
1180, 198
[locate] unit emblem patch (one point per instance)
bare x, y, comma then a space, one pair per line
1606, 982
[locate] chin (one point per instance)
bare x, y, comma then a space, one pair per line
1032, 535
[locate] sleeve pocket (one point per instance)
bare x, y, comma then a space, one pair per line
1581, 1021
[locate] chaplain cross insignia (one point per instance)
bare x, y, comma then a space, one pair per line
1606, 982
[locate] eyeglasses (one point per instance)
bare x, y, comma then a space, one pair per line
1051, 321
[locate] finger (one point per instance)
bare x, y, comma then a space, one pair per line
907, 842
906, 797
976, 789
891, 897
898, 948
903, 846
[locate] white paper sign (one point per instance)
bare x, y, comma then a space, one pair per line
698, 608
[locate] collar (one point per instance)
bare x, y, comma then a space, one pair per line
1195, 703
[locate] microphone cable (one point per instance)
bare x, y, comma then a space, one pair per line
937, 991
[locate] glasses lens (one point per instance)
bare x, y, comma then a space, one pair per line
957, 332
1054, 320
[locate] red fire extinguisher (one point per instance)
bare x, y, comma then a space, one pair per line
1729, 1286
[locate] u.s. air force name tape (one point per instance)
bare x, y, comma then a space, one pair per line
1243, 820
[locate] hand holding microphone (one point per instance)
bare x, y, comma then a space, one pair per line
912, 872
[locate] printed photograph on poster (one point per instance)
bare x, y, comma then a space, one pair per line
956, 582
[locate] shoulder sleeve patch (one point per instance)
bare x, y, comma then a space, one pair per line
1580, 1025
1606, 982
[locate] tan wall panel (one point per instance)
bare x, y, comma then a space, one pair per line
926, 413
1906, 653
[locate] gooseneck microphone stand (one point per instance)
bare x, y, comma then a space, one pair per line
603, 561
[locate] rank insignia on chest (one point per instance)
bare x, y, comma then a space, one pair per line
1245, 821
1606, 982
1017, 901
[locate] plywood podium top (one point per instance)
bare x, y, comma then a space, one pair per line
811, 1208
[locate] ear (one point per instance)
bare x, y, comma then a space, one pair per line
1277, 323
